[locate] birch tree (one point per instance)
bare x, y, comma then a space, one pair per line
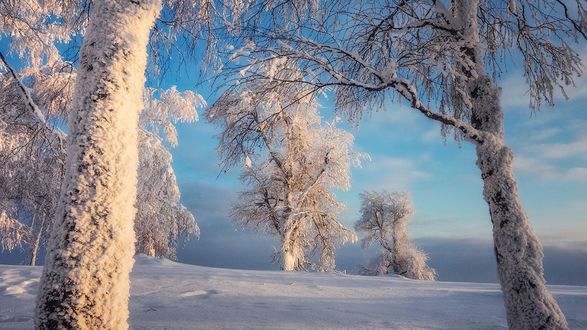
292, 162
113, 33
85, 280
161, 220
442, 59
384, 221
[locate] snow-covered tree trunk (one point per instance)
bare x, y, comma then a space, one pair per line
519, 255
396, 252
289, 259
292, 252
529, 305
85, 283
37, 244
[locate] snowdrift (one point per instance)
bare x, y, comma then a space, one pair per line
171, 295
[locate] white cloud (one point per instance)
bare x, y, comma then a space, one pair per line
431, 135
514, 93
576, 148
544, 134
391, 173
547, 172
391, 121
571, 237
547, 152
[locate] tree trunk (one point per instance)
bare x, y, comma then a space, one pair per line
289, 260
519, 255
394, 249
85, 283
36, 244
292, 253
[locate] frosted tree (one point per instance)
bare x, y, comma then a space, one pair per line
161, 220
384, 221
292, 162
443, 58
102, 152
33, 153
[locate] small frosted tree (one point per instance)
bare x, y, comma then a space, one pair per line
384, 221
292, 162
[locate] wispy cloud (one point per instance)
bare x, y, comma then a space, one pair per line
543, 134
545, 171
577, 148
390, 173
514, 93
543, 155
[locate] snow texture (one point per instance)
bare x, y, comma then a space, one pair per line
85, 282
168, 295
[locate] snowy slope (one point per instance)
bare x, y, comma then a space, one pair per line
178, 296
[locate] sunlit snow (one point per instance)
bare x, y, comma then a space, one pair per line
170, 295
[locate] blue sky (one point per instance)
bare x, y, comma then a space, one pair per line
408, 154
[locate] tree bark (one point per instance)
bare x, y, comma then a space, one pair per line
292, 253
529, 305
289, 263
519, 255
85, 283
37, 243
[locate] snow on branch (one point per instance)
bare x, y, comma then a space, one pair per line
13, 233
40, 119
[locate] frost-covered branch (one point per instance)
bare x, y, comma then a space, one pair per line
25, 92
13, 233
33, 107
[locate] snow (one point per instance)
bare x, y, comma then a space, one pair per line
178, 296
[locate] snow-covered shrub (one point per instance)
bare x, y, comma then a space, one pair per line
384, 221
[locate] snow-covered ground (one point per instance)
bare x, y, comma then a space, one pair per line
177, 296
